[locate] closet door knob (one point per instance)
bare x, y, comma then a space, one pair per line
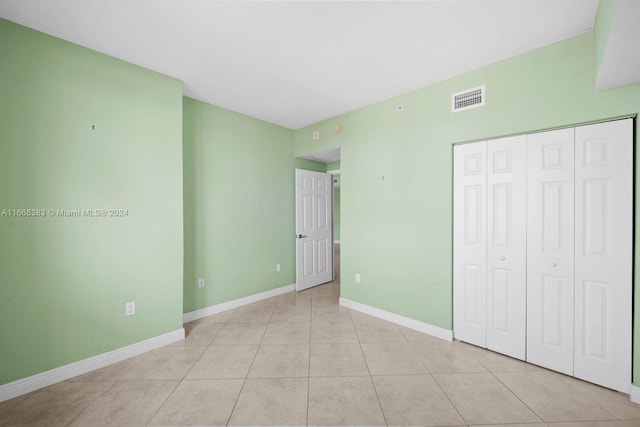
502, 258
553, 264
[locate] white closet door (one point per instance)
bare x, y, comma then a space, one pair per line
469, 240
550, 239
603, 253
506, 245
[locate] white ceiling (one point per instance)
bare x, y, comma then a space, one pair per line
620, 63
328, 156
298, 62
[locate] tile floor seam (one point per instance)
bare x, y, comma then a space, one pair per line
449, 399
415, 352
517, 397
246, 377
375, 390
163, 402
97, 397
244, 382
384, 417
199, 357
309, 370
576, 389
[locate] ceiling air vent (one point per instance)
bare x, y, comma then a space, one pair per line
470, 98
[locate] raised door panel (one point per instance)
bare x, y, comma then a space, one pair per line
506, 246
603, 253
550, 239
469, 235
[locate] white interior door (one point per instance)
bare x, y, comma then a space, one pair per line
603, 253
550, 239
314, 231
469, 240
506, 245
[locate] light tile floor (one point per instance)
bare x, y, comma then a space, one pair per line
301, 359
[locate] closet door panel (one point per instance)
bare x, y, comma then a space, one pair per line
603, 253
506, 245
550, 240
470, 248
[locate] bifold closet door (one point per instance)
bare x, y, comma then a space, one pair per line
603, 253
550, 239
506, 245
469, 240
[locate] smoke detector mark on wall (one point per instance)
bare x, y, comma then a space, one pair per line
470, 98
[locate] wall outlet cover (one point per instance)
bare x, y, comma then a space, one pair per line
130, 308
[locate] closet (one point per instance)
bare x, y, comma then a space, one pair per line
542, 260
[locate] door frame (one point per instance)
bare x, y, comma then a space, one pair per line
333, 204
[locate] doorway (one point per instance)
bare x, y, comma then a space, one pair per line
317, 218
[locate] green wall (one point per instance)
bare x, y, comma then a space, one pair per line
397, 169
333, 166
81, 130
309, 165
238, 205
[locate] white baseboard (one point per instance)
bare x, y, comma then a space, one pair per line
44, 379
417, 325
635, 394
219, 308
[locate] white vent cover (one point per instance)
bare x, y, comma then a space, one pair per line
466, 99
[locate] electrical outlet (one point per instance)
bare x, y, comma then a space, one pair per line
357, 277
278, 267
130, 308
316, 135
201, 282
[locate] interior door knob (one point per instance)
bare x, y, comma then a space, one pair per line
502, 258
301, 236
553, 264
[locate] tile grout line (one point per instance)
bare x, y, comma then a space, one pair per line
113, 382
235, 404
569, 385
492, 372
92, 402
449, 399
565, 379
504, 385
185, 375
163, 402
309, 365
513, 393
384, 417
